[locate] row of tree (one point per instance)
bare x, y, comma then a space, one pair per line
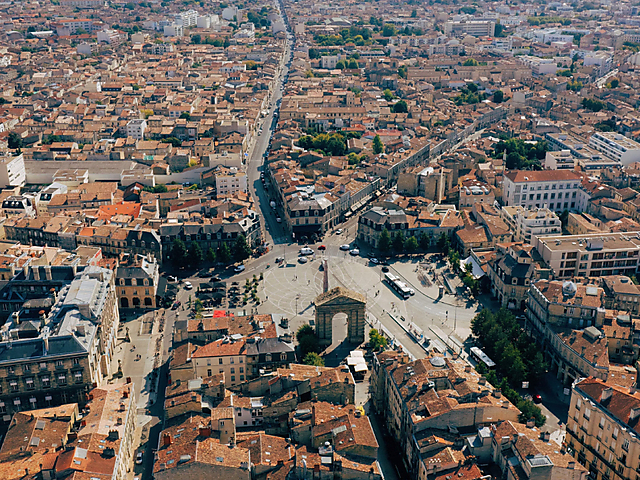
399, 243
517, 358
521, 155
194, 256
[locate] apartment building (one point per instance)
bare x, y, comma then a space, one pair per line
12, 172
112, 37
565, 319
67, 350
557, 190
559, 160
433, 221
602, 428
137, 281
230, 181
475, 28
575, 146
187, 19
406, 394
136, 128
527, 224
226, 355
592, 255
616, 147
511, 272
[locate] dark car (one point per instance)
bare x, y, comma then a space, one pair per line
176, 305
215, 278
385, 269
537, 398
203, 274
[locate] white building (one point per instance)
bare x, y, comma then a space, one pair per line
590, 255
230, 181
539, 66
329, 61
475, 28
187, 19
616, 147
112, 37
161, 48
557, 190
527, 224
136, 128
173, 30
559, 160
602, 60
12, 172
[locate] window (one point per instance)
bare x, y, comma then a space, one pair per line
219, 361
62, 379
233, 370
241, 360
46, 382
231, 361
242, 378
615, 433
601, 424
625, 445
29, 383
241, 369
233, 378
208, 372
76, 361
59, 363
587, 413
267, 357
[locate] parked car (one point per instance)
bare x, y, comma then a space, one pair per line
215, 278
188, 285
354, 252
339, 231
279, 259
306, 251
278, 219
537, 398
176, 305
171, 279
375, 261
345, 247
385, 269
139, 458
302, 259
322, 247
239, 268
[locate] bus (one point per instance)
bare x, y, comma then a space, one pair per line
481, 357
395, 283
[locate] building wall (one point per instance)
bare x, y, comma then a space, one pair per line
233, 367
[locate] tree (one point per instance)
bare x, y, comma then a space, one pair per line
224, 253
411, 244
307, 340
402, 71
175, 142
196, 39
443, 243
398, 242
424, 241
388, 95
241, 250
14, 140
353, 64
195, 254
211, 255
470, 62
314, 53
498, 96
312, 358
389, 30
178, 253
378, 146
185, 115
384, 242
414, 13
400, 107
377, 340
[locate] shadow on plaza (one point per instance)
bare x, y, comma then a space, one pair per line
333, 356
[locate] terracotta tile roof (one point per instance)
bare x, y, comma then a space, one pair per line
220, 348
620, 403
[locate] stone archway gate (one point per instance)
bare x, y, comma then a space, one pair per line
340, 300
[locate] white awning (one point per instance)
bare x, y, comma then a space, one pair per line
62, 377
16, 401
47, 398
13, 384
29, 380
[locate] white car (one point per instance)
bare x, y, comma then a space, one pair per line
345, 247
339, 231
412, 291
239, 268
302, 259
171, 279
306, 251
188, 285
278, 219
354, 252
139, 458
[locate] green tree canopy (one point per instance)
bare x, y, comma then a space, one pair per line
377, 340
241, 250
498, 96
312, 358
411, 244
384, 242
178, 253
224, 253
400, 107
378, 146
398, 242
195, 254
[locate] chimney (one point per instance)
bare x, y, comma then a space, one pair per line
606, 394
595, 359
204, 431
545, 436
47, 272
36, 274
497, 393
583, 350
634, 413
166, 440
531, 423
571, 465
